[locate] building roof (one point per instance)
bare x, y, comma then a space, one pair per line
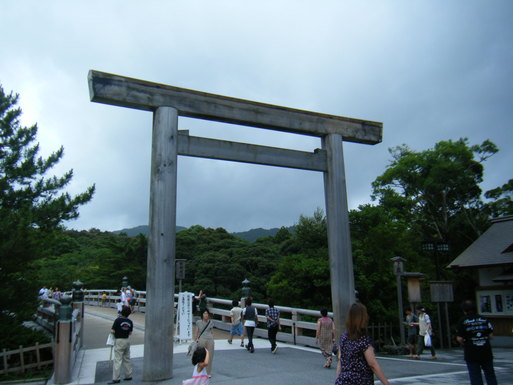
493, 247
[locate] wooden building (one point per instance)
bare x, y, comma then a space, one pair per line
491, 257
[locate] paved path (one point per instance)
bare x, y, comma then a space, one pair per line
291, 365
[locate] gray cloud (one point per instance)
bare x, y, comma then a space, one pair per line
429, 70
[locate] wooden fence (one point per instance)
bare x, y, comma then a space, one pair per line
22, 359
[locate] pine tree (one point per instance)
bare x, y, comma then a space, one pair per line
32, 205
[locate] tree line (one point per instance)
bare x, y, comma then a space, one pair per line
426, 195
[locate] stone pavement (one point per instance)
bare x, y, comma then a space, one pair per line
290, 365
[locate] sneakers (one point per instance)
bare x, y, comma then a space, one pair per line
242, 344
114, 382
274, 350
230, 342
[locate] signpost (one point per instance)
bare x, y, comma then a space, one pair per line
184, 316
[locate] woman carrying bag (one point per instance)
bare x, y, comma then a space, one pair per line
205, 338
425, 333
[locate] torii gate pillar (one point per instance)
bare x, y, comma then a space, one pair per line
339, 241
160, 276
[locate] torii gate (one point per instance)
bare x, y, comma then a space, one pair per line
168, 103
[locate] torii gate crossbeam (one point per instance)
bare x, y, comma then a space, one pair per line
168, 103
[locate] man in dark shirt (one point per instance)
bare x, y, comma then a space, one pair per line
272, 315
475, 332
122, 328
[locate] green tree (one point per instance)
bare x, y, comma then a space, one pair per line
438, 189
302, 276
501, 200
376, 237
32, 206
437, 194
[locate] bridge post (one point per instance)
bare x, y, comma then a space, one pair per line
160, 278
63, 363
339, 240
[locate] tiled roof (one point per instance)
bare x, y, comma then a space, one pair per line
494, 247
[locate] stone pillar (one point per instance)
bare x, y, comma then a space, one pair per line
160, 278
339, 240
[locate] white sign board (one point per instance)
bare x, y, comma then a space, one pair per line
185, 316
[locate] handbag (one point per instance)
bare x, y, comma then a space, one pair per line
194, 344
192, 348
110, 340
334, 349
427, 340
203, 380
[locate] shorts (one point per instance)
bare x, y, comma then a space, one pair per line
236, 329
412, 339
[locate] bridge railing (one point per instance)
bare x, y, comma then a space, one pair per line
298, 325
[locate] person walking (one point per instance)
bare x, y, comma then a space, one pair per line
474, 333
202, 301
325, 336
236, 325
357, 362
250, 316
205, 338
425, 328
122, 329
272, 316
122, 296
411, 325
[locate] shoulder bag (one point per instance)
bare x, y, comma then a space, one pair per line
194, 344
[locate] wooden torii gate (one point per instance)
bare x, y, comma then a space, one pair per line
168, 103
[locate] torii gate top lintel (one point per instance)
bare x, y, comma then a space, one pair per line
140, 94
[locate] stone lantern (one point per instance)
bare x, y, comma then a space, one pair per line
245, 288
78, 293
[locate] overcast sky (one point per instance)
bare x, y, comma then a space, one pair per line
429, 70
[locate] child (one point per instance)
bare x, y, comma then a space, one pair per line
200, 361
236, 328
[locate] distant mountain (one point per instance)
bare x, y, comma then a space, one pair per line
143, 229
253, 234
250, 235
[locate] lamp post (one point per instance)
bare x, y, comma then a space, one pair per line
436, 247
398, 271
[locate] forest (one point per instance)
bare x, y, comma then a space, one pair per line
423, 196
